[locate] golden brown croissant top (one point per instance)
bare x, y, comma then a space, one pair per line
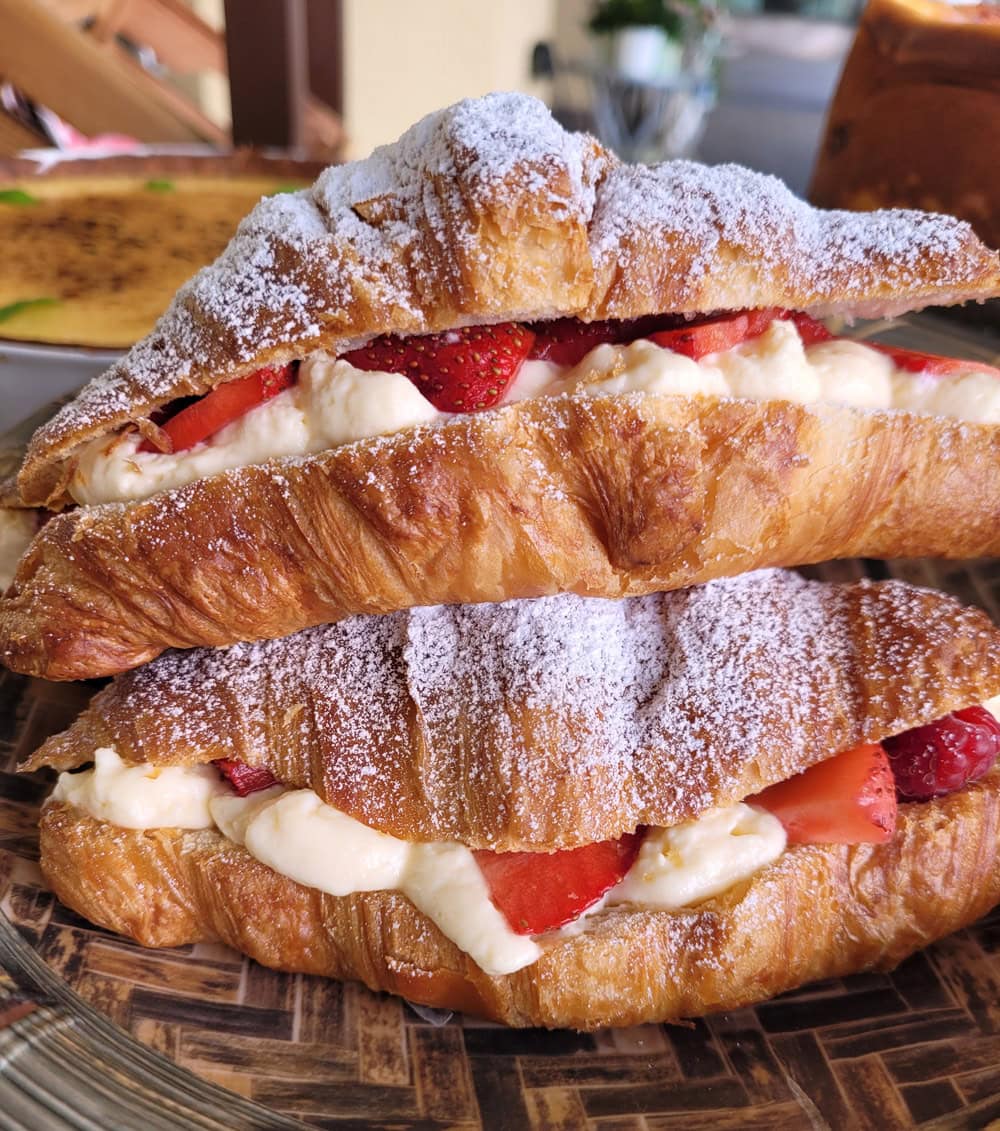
551, 723
489, 211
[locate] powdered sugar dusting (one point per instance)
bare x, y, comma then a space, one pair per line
393, 220
697, 210
567, 714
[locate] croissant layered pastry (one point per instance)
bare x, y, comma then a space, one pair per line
563, 812
493, 362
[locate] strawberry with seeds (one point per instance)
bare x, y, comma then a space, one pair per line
461, 370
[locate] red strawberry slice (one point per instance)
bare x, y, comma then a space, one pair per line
913, 361
458, 371
539, 891
848, 799
711, 337
810, 330
246, 779
698, 338
224, 404
567, 341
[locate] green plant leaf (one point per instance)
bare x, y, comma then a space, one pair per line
17, 196
160, 186
25, 304
615, 15
284, 188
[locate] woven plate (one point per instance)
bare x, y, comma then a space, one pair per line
96, 1032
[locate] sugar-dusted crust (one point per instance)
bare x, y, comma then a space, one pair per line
606, 496
489, 211
558, 722
819, 912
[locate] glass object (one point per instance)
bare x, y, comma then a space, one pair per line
659, 114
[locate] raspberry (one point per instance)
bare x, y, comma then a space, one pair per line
941, 757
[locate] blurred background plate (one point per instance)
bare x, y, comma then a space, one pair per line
95, 248
32, 375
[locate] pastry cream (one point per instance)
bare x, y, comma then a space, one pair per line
690, 862
333, 403
143, 796
299, 836
778, 366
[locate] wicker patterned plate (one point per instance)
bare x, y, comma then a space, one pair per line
96, 1032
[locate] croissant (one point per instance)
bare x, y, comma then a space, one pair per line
542, 725
507, 727
601, 497
482, 214
821, 911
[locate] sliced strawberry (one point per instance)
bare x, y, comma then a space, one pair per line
848, 799
713, 335
810, 330
224, 404
458, 371
697, 340
567, 341
539, 891
913, 361
246, 779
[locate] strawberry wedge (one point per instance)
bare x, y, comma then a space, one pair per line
538, 891
848, 799
224, 404
461, 370
246, 779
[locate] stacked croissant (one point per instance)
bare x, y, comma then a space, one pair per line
456, 496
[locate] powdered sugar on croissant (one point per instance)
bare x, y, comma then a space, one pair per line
557, 722
489, 211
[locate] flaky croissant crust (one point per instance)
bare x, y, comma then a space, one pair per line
553, 723
489, 211
818, 912
600, 496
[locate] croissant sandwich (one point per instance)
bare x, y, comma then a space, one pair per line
563, 812
491, 362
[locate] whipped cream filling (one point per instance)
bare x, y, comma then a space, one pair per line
143, 796
688, 863
298, 835
301, 837
333, 403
